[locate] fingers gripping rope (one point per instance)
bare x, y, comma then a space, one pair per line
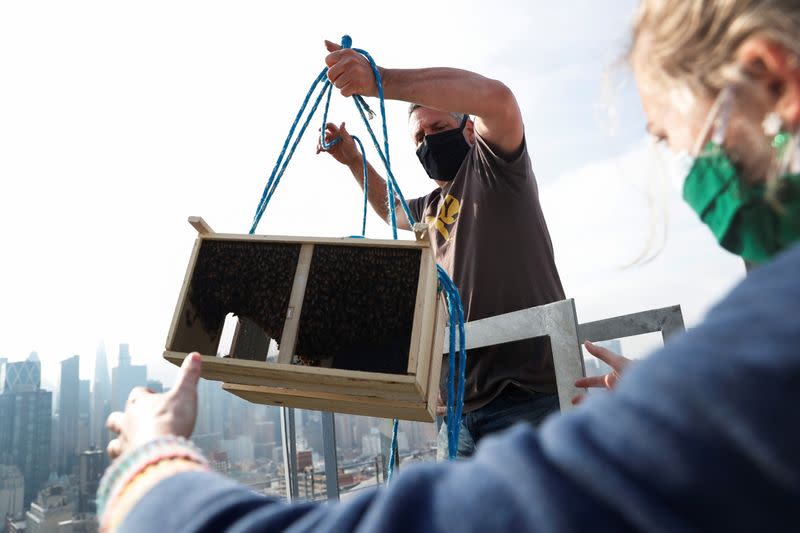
455, 398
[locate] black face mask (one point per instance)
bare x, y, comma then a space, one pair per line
442, 154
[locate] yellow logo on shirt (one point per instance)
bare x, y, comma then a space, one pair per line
448, 214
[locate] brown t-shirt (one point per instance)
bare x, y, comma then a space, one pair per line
489, 234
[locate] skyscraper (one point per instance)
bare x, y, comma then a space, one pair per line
124, 378
68, 415
12, 492
92, 465
212, 407
25, 418
23, 375
84, 418
52, 506
3, 362
101, 400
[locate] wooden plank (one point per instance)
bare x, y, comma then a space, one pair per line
421, 323
292, 323
182, 295
428, 320
343, 241
200, 225
434, 374
417, 411
334, 380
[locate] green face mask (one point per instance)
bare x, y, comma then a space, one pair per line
738, 214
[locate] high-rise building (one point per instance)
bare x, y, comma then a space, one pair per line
3, 362
52, 506
68, 415
345, 437
23, 375
101, 400
84, 415
25, 425
124, 378
212, 407
155, 385
240, 450
92, 465
263, 439
208, 442
12, 492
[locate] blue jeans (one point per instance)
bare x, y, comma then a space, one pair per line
512, 405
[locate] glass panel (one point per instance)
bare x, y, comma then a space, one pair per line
242, 440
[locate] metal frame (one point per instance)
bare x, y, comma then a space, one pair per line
289, 438
331, 461
667, 320
289, 444
556, 320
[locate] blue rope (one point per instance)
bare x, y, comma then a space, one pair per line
389, 175
455, 399
328, 88
366, 185
394, 453
276, 175
455, 396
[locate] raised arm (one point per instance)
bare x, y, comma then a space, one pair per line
497, 116
346, 153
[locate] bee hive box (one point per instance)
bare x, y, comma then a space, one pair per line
355, 325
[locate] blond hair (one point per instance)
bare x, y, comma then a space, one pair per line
694, 42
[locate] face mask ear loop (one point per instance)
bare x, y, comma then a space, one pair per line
718, 118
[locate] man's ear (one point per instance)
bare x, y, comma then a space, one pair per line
778, 70
469, 131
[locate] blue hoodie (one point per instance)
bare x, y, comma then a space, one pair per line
703, 435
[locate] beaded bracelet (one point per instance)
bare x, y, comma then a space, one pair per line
127, 466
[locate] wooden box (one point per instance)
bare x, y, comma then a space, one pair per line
346, 325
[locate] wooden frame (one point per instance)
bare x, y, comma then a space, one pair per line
411, 395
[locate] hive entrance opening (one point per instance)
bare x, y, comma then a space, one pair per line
354, 311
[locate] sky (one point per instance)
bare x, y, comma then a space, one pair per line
120, 120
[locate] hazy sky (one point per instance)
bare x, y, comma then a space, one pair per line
117, 121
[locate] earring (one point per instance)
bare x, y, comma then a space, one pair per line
772, 124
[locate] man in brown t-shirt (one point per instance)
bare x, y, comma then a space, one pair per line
486, 224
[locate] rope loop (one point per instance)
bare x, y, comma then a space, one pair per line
455, 380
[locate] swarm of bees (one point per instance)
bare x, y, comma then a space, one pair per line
249, 279
358, 308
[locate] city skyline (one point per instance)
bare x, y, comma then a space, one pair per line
51, 461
